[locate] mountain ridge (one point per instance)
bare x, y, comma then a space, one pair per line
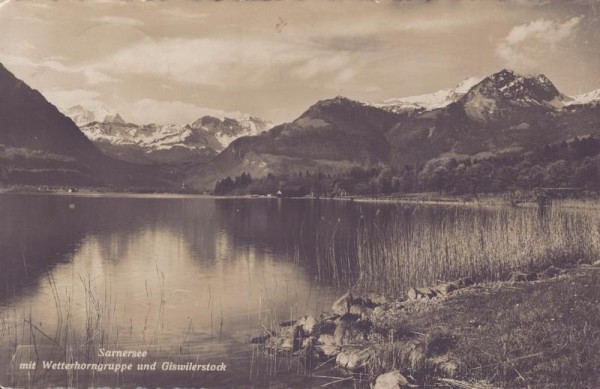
504, 111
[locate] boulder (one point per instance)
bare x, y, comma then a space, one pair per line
307, 323
391, 380
373, 300
326, 344
359, 310
342, 305
522, 277
288, 339
421, 293
446, 289
426, 293
351, 330
326, 316
354, 359
412, 294
464, 282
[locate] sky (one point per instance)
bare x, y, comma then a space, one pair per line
174, 61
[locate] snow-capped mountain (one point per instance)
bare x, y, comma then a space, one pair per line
82, 116
226, 129
429, 101
592, 97
167, 143
506, 91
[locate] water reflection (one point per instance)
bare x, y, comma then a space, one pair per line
182, 278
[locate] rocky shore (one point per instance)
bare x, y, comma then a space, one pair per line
380, 339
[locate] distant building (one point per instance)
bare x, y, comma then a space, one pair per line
292, 191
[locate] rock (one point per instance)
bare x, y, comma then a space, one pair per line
378, 311
307, 323
550, 272
290, 338
354, 359
359, 310
326, 316
412, 294
260, 339
522, 277
324, 327
391, 380
340, 332
374, 299
446, 289
427, 292
596, 264
464, 282
326, 344
351, 330
444, 366
342, 305
421, 293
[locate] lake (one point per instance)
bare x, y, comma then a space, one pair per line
191, 280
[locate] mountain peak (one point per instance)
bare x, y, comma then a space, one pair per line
115, 119
506, 90
429, 101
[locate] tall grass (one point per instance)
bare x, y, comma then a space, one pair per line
399, 246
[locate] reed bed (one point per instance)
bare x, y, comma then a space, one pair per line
394, 247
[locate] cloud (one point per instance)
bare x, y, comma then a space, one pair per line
120, 20
68, 98
227, 61
179, 14
324, 65
90, 75
527, 45
162, 112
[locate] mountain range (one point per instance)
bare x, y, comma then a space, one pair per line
504, 112
163, 143
40, 145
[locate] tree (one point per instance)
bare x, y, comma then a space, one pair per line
558, 173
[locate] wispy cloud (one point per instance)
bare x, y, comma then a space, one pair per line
90, 75
527, 44
176, 13
68, 98
222, 61
178, 112
120, 20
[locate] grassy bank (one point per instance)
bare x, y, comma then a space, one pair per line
509, 335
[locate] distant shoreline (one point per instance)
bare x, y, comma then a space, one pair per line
498, 199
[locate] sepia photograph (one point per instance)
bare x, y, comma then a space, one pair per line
356, 194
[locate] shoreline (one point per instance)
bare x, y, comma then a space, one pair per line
417, 198
528, 330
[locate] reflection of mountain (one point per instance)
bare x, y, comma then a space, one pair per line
42, 231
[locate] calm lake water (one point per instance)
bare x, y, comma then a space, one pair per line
188, 279
193, 279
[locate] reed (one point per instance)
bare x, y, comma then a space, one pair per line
399, 246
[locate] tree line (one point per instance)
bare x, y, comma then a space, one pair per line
567, 164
